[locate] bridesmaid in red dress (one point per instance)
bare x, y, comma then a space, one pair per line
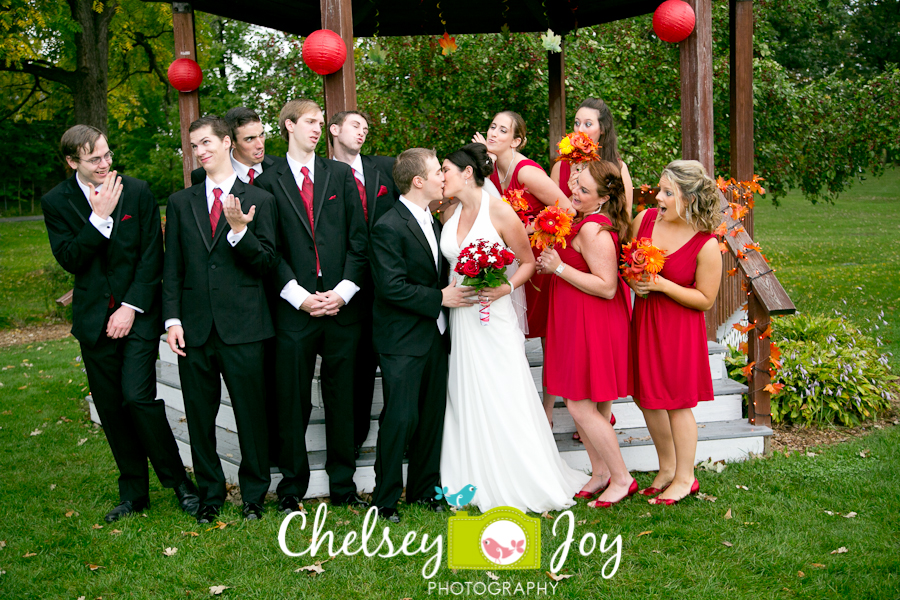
668, 330
587, 355
505, 139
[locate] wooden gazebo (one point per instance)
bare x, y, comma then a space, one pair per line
362, 18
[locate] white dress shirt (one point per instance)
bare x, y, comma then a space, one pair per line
426, 222
243, 171
293, 292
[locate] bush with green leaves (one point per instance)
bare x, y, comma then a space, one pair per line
831, 372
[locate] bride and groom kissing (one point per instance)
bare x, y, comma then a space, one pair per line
473, 417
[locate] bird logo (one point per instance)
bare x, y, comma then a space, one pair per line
498, 553
460, 498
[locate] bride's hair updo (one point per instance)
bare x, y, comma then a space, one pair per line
475, 156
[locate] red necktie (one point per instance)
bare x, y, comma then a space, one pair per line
306, 193
252, 175
216, 210
362, 196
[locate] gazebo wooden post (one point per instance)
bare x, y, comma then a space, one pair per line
697, 103
188, 103
556, 70
340, 87
741, 75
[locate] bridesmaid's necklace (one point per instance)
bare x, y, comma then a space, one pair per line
508, 169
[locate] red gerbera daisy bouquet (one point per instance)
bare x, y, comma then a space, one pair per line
551, 227
516, 199
483, 264
640, 258
577, 148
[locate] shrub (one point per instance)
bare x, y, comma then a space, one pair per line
831, 372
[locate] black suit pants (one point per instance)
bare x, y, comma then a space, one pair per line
295, 364
415, 398
364, 382
201, 373
122, 378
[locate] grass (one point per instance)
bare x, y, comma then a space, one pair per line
778, 530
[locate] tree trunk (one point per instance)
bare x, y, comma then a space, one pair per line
92, 58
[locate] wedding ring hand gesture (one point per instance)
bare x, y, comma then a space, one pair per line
235, 215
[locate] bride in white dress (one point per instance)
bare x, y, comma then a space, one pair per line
496, 435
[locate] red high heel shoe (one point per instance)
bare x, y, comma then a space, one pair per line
695, 488
612, 419
653, 491
592, 495
632, 490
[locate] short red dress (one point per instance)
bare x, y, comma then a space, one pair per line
587, 336
536, 297
565, 171
670, 360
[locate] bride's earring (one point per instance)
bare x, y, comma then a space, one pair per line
467, 181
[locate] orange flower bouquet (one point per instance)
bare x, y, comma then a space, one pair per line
577, 148
516, 199
641, 257
551, 227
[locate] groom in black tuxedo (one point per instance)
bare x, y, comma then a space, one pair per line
410, 335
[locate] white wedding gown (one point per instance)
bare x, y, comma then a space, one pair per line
496, 434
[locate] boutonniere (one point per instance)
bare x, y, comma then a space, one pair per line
381, 192
333, 197
126, 217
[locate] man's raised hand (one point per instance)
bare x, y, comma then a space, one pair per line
104, 202
235, 215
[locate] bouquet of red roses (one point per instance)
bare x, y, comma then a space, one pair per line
640, 257
483, 264
577, 148
551, 226
516, 199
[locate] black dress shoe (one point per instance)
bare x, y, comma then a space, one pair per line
252, 511
207, 513
125, 508
389, 514
188, 497
432, 505
351, 499
289, 504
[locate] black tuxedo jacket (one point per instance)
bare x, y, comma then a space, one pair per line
198, 175
379, 171
340, 236
407, 284
127, 266
206, 281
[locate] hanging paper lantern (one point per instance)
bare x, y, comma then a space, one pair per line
673, 21
185, 75
324, 52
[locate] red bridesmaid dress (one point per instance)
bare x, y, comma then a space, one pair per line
536, 297
587, 336
670, 361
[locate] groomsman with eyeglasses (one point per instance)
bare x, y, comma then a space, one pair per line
373, 176
220, 246
248, 147
105, 229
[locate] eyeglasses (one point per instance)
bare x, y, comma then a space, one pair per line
108, 157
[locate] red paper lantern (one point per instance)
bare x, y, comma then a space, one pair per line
185, 75
324, 52
673, 21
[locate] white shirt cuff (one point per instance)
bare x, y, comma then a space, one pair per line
346, 289
104, 226
233, 238
133, 307
171, 322
294, 293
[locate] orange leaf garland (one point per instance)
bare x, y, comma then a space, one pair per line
448, 44
748, 370
744, 328
753, 246
723, 247
738, 211
766, 333
774, 388
732, 272
721, 230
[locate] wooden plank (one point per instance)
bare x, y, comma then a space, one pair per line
340, 87
741, 88
188, 103
556, 69
759, 410
696, 88
65, 299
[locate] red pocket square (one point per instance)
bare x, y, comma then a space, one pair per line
381, 192
126, 217
333, 197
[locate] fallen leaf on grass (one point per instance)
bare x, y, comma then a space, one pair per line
219, 525
801, 574
829, 513
2, 544
170, 551
313, 569
840, 550
216, 590
707, 497
644, 533
581, 522
644, 516
353, 510
546, 515
811, 454
93, 567
115, 532
556, 577
728, 514
817, 565
742, 487
80, 597
82, 441
30, 554
52, 486
96, 526
190, 533
70, 513
864, 453
656, 551
729, 544
492, 576
36, 431
849, 515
